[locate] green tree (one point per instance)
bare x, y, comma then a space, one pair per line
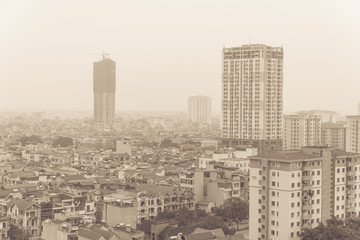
167, 142
15, 233
33, 139
233, 209
185, 217
211, 222
333, 230
166, 215
63, 142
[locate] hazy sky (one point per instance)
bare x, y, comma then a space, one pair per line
169, 50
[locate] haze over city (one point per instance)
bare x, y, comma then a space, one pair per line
166, 51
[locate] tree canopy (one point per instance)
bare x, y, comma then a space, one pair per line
333, 230
33, 139
63, 142
167, 142
198, 218
233, 209
15, 233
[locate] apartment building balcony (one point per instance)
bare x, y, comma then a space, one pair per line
307, 216
262, 192
351, 209
306, 225
350, 180
306, 196
307, 177
351, 173
349, 191
307, 187
264, 211
306, 207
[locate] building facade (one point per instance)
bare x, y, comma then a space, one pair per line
4, 227
252, 103
300, 131
333, 135
353, 133
294, 190
104, 91
152, 199
123, 146
199, 109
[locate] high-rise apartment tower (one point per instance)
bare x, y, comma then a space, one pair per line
104, 91
252, 99
294, 190
199, 108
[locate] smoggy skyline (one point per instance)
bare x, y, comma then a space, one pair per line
166, 51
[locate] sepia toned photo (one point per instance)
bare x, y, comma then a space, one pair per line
179, 120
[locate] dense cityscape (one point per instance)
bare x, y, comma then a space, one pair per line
177, 175
251, 170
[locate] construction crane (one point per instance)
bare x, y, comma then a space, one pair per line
103, 54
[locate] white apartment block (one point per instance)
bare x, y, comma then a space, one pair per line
333, 135
199, 109
294, 190
252, 80
300, 131
353, 134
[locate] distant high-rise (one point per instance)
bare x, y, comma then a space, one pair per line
353, 134
333, 135
104, 91
252, 96
301, 131
199, 108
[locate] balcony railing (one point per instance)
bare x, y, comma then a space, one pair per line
306, 225
307, 177
307, 187
306, 207
307, 216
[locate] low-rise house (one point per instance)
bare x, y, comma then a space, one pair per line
59, 230
152, 199
24, 214
4, 227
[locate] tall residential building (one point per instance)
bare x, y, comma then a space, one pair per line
199, 108
333, 135
252, 96
301, 131
104, 91
294, 190
353, 133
